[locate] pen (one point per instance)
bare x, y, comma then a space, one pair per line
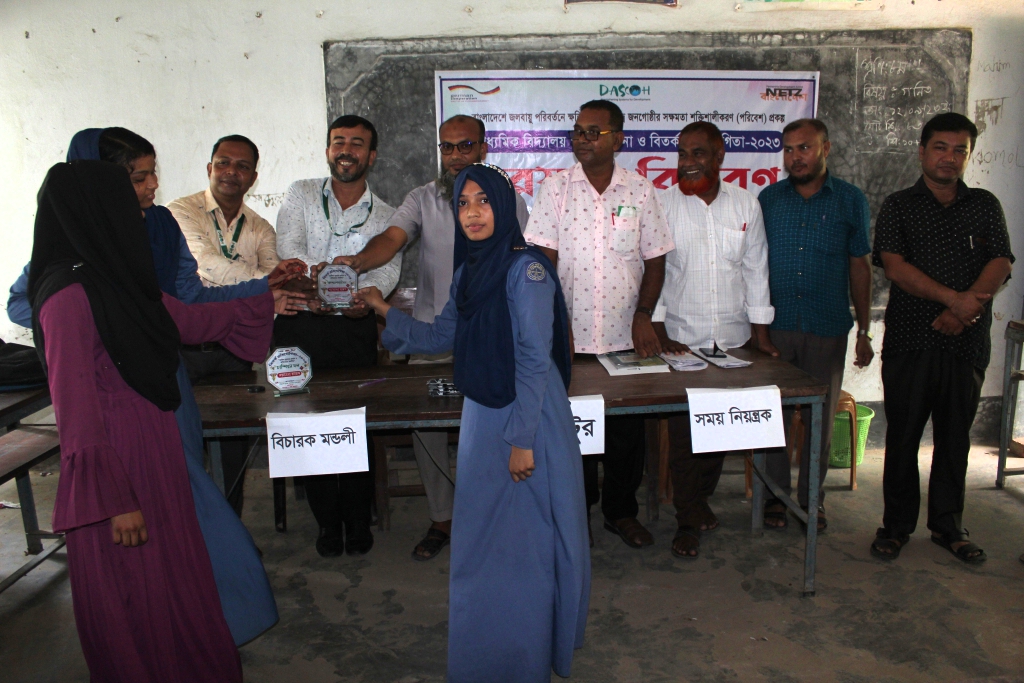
372, 382
744, 228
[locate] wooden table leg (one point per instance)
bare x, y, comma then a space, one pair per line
380, 476
653, 445
280, 504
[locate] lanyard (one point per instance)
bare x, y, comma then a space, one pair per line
327, 212
229, 252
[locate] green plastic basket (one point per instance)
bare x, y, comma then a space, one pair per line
840, 456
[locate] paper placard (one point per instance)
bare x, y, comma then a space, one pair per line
588, 414
302, 444
736, 419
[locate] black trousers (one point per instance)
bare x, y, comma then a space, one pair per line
919, 385
334, 342
233, 449
623, 458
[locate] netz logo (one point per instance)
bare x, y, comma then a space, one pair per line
624, 90
787, 91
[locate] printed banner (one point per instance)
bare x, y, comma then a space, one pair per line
528, 115
588, 414
735, 419
302, 444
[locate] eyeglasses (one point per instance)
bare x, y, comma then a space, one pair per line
591, 135
464, 147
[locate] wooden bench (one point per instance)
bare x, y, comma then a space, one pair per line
21, 449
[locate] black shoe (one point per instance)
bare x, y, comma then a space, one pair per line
359, 538
331, 542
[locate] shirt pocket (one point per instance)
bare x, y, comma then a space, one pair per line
731, 242
626, 235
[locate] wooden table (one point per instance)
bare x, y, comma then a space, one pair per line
402, 403
17, 405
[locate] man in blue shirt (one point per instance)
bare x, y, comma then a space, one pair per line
818, 259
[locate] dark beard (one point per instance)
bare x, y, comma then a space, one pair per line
446, 185
810, 176
351, 177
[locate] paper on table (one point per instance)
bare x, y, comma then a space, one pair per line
735, 419
302, 444
684, 362
726, 362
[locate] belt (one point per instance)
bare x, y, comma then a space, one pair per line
205, 347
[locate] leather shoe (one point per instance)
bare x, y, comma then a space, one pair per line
331, 542
631, 531
358, 538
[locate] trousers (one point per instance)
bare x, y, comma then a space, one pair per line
918, 385
694, 475
334, 341
825, 359
625, 440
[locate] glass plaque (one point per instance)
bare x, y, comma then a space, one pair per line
289, 370
335, 286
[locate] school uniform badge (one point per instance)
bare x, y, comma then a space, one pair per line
535, 271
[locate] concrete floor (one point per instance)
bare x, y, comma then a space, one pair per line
733, 615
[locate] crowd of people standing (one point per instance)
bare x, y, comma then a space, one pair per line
131, 302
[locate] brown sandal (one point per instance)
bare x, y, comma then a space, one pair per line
631, 531
691, 536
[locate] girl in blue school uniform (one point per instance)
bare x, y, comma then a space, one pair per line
520, 558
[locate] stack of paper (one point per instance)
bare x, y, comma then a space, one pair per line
629, 363
684, 362
724, 360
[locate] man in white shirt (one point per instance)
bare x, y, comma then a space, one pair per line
320, 220
603, 228
427, 213
716, 292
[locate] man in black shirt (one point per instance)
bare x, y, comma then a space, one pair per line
945, 249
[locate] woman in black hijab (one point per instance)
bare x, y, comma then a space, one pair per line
146, 604
520, 566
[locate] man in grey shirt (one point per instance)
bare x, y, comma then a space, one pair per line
427, 213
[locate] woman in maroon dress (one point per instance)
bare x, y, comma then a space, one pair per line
145, 601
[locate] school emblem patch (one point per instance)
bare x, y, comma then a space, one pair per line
535, 271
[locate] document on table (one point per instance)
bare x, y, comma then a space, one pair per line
735, 419
684, 362
302, 444
724, 361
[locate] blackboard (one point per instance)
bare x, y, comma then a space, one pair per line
877, 89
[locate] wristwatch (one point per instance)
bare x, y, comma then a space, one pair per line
644, 309
865, 333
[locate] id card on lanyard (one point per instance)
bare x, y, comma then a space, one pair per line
228, 249
327, 213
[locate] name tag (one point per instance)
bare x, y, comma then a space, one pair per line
626, 212
588, 416
302, 444
735, 419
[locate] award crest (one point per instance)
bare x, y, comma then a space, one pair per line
335, 286
289, 370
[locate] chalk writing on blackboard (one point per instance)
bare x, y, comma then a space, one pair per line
896, 95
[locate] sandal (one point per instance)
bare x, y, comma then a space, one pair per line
710, 520
776, 510
692, 537
887, 546
968, 552
432, 544
822, 521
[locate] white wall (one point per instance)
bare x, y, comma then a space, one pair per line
184, 72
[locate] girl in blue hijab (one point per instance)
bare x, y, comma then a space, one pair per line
520, 565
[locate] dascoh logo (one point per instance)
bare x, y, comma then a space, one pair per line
624, 90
